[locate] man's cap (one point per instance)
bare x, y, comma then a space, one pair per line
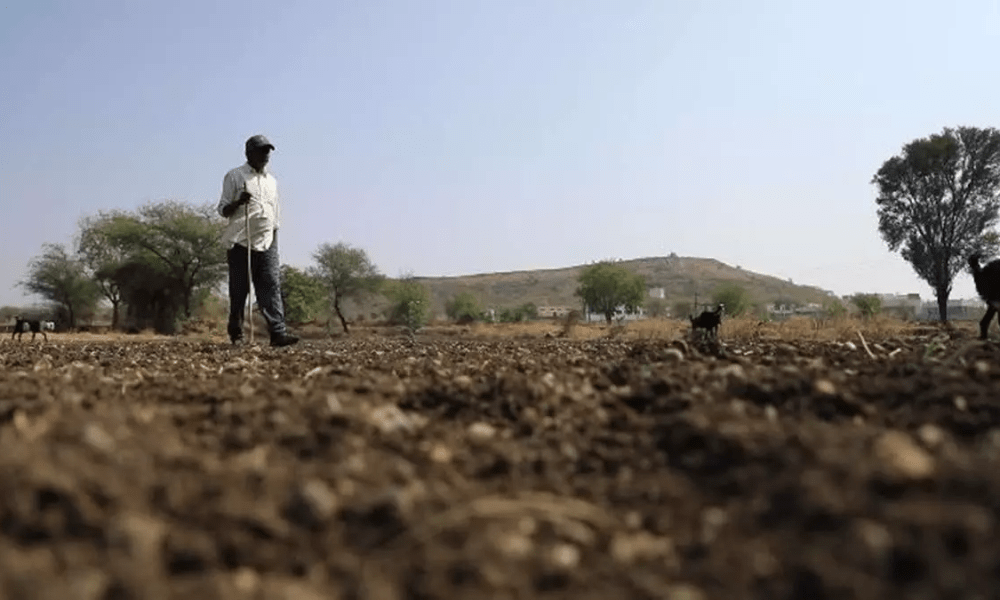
259, 141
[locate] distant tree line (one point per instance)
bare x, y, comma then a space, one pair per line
157, 265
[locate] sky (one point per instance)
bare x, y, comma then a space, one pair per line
456, 137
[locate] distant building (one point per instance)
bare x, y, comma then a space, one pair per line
619, 315
658, 292
905, 306
958, 310
554, 312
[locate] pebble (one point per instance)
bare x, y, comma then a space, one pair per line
333, 403
514, 545
627, 548
673, 355
931, 435
95, 437
388, 418
312, 504
961, 403
686, 591
825, 387
903, 456
440, 454
734, 371
564, 556
481, 432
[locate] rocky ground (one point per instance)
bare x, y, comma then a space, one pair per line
385, 467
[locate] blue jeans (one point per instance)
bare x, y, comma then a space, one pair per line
265, 268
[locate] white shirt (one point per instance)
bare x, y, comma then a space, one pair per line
265, 211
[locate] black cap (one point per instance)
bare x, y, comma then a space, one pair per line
259, 141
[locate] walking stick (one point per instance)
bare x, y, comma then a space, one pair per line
246, 221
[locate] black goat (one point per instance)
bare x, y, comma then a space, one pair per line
987, 280
35, 326
708, 320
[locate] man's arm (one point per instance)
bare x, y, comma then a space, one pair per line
229, 201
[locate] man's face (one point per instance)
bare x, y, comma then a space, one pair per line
258, 157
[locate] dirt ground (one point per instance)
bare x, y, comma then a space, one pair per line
464, 466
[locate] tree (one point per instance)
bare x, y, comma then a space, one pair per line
103, 257
56, 276
302, 294
937, 202
463, 308
834, 308
736, 299
607, 287
868, 305
180, 241
409, 303
346, 272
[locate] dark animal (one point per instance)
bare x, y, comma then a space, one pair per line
987, 278
33, 325
708, 320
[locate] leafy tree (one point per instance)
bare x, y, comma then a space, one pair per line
179, 241
528, 311
606, 286
938, 200
868, 305
151, 296
463, 307
834, 308
9, 312
103, 257
58, 277
409, 303
345, 272
525, 312
302, 293
736, 299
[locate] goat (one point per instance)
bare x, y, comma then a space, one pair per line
987, 280
35, 326
708, 320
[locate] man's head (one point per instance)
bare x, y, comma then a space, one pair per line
258, 150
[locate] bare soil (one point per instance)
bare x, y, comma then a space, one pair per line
385, 467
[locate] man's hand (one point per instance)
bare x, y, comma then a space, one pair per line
230, 208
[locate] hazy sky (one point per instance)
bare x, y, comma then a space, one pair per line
471, 136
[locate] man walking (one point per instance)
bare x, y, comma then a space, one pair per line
250, 193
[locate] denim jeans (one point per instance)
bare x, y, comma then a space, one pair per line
265, 269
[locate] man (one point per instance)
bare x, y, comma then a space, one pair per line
251, 188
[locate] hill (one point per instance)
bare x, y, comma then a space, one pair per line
680, 277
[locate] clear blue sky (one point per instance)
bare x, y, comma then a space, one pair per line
470, 136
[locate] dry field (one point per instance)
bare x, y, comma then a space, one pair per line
792, 460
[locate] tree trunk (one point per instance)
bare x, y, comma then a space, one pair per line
114, 314
608, 316
942, 301
340, 315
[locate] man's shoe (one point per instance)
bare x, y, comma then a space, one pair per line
283, 339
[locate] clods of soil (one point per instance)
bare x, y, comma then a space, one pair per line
413, 468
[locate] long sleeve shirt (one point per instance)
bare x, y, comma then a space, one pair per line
264, 207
